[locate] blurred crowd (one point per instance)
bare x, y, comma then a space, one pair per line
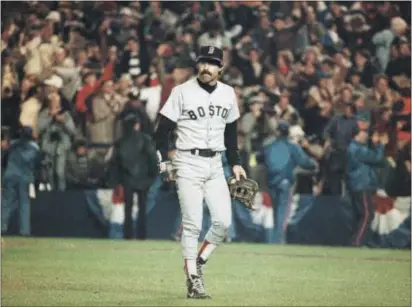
76, 71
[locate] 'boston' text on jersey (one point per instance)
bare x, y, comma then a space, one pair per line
213, 111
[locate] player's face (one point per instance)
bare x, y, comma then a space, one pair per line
208, 72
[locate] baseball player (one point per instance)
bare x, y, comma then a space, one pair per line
204, 112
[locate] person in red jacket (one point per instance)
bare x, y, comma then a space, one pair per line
90, 86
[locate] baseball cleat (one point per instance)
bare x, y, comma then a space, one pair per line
195, 288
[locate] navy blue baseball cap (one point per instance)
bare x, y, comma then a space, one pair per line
210, 53
283, 125
26, 132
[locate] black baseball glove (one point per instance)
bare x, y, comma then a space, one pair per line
244, 190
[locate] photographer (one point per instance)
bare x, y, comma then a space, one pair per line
362, 180
81, 170
56, 130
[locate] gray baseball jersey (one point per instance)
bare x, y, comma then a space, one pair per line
201, 117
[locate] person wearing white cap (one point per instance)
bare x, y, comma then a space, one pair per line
54, 16
55, 130
383, 41
54, 84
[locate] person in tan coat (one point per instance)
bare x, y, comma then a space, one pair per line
103, 125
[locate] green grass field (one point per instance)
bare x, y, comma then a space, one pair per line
81, 272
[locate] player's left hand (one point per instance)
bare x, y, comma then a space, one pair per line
238, 171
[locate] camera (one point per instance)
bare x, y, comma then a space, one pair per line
8, 92
55, 137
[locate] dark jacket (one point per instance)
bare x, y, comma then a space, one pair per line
139, 112
124, 65
281, 157
398, 182
360, 166
134, 162
340, 130
23, 159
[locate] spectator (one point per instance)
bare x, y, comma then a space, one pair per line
120, 30
80, 168
256, 126
399, 181
283, 110
61, 58
338, 134
55, 131
399, 63
94, 57
364, 67
314, 29
134, 166
76, 42
281, 158
271, 87
381, 96
306, 79
12, 99
329, 84
90, 86
251, 66
137, 107
134, 63
283, 71
263, 33
287, 28
23, 157
178, 74
104, 126
362, 181
30, 108
384, 39
343, 97
123, 85
362, 113
214, 35
354, 78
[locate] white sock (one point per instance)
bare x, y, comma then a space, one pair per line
206, 250
190, 267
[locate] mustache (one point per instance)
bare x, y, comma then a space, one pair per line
205, 72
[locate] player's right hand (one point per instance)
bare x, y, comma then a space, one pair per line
163, 166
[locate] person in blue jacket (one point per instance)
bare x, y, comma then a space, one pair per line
23, 159
362, 182
281, 157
